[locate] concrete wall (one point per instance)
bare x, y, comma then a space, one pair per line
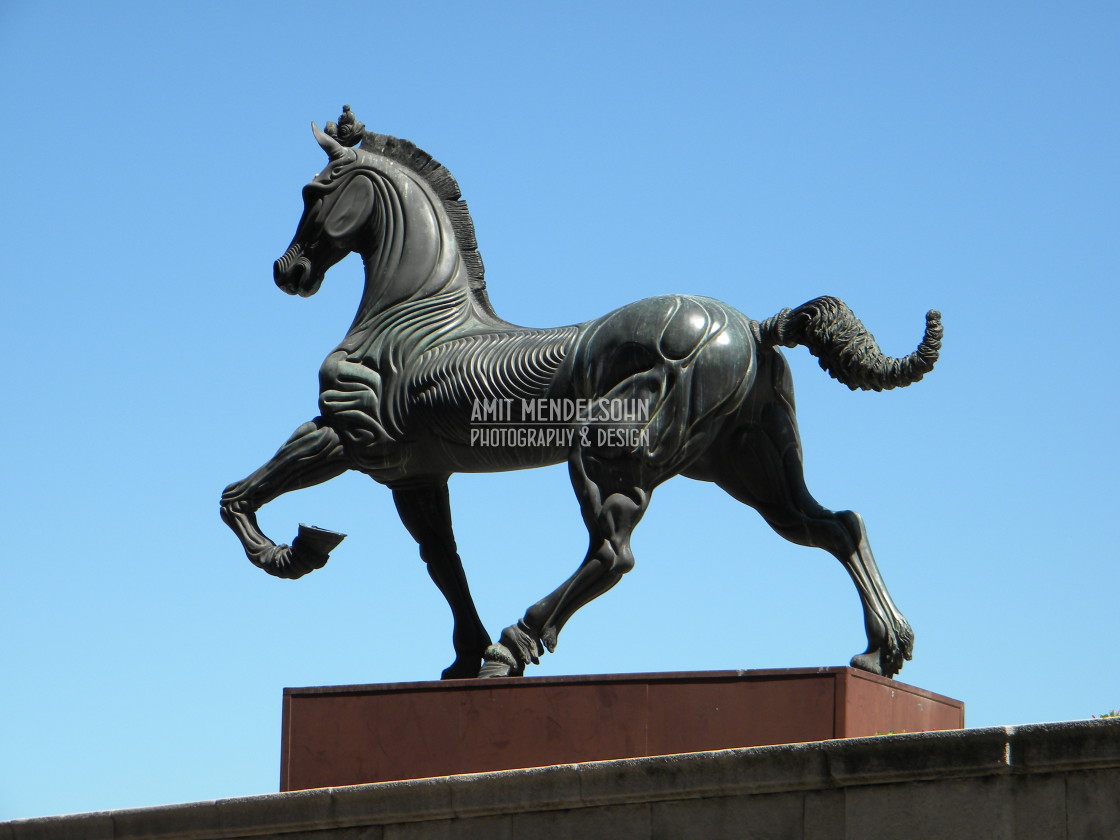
1042, 781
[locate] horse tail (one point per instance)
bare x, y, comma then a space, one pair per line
845, 348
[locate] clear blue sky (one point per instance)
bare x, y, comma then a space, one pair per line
901, 156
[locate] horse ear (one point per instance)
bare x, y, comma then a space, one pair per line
351, 209
331, 146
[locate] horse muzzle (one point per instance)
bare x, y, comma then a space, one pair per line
293, 272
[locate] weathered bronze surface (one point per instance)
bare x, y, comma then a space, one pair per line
430, 381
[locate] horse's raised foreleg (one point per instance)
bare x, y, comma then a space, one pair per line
426, 512
312, 455
613, 496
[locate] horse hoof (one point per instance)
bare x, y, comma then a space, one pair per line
499, 662
312, 540
309, 551
493, 669
868, 662
460, 671
875, 662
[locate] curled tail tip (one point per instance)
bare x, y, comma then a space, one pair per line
933, 323
930, 348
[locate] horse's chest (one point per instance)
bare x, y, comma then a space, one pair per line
357, 401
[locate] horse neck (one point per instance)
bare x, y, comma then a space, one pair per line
412, 253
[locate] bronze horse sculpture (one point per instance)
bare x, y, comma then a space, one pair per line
708, 395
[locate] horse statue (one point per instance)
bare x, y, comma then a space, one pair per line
429, 381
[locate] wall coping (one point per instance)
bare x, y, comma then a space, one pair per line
823, 765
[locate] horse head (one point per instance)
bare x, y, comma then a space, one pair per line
337, 206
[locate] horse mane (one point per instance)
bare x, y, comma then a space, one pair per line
443, 183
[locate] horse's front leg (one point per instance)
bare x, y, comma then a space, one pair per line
613, 495
312, 455
426, 512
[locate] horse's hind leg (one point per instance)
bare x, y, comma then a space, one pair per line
426, 513
760, 465
613, 496
312, 455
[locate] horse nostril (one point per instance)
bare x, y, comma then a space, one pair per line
301, 277
280, 277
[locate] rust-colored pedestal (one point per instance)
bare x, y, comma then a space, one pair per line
345, 735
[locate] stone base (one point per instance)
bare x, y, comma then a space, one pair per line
1042, 782
346, 735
